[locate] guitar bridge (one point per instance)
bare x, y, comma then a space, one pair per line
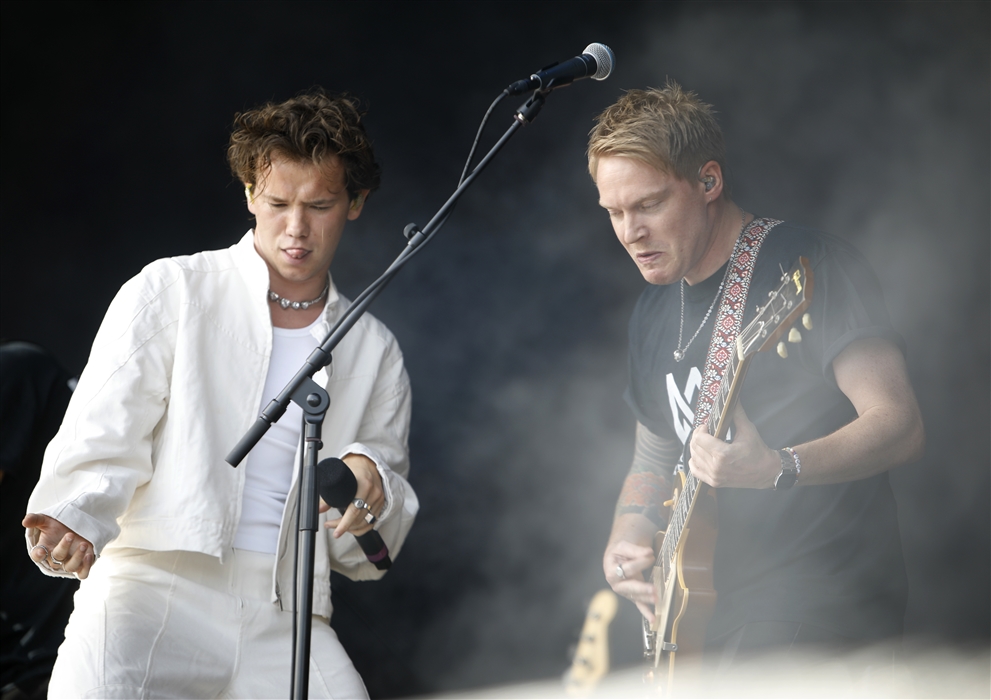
649, 636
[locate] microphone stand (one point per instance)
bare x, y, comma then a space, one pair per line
314, 400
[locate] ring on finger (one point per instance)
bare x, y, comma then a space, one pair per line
360, 504
620, 572
370, 518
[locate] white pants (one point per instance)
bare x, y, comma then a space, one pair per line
183, 625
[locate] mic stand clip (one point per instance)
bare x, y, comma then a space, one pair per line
529, 110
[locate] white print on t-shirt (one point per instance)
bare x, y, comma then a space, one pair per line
681, 403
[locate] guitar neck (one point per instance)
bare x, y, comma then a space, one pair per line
718, 424
718, 421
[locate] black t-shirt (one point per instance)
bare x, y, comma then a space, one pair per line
829, 556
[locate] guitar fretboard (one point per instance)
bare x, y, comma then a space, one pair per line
686, 499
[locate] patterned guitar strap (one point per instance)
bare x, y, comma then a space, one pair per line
729, 320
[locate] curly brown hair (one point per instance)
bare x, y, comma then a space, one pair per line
670, 129
308, 127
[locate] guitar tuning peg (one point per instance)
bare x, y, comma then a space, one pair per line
782, 349
794, 336
807, 322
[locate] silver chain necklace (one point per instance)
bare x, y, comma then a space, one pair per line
297, 305
679, 354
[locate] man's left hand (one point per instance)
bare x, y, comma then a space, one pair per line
354, 520
744, 463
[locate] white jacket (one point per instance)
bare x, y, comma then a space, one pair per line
174, 379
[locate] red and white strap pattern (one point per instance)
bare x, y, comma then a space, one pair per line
729, 320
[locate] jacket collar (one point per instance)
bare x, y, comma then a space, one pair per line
254, 271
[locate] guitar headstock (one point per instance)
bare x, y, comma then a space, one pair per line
784, 307
591, 662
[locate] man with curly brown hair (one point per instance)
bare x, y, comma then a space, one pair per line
187, 564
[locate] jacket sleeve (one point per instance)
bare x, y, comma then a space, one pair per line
383, 437
103, 449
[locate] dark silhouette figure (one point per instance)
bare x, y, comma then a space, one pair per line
34, 392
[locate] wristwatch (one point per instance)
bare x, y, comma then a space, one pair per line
791, 467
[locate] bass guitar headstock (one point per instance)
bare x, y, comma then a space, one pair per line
591, 662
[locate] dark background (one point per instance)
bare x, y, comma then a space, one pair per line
868, 120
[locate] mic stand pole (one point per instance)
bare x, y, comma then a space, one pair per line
314, 400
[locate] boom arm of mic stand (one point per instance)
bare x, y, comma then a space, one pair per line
321, 356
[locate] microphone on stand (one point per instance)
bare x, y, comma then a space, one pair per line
596, 62
337, 486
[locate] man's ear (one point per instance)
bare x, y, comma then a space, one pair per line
354, 211
249, 196
711, 178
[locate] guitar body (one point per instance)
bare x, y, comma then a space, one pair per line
686, 600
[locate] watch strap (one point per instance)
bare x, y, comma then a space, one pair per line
791, 467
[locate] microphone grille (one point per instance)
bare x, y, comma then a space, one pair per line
605, 59
335, 483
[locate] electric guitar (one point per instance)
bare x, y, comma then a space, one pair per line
682, 574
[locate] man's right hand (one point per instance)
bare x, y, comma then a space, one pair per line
624, 564
58, 547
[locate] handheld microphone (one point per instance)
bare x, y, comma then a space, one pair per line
596, 62
337, 486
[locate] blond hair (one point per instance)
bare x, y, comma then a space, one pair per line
669, 129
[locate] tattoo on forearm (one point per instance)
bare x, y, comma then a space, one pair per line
649, 483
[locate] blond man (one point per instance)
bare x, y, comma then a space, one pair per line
808, 550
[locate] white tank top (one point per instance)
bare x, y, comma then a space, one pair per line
269, 466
